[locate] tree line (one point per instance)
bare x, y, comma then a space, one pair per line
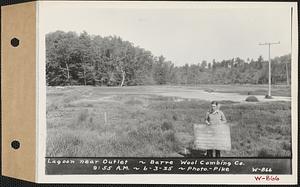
83, 59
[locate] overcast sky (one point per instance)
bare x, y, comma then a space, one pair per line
182, 32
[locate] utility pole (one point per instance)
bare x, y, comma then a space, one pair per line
269, 44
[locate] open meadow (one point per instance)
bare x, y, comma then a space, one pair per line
157, 121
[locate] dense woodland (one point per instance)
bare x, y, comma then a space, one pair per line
83, 59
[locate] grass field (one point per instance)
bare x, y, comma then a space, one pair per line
136, 121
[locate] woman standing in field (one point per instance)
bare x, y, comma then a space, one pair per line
214, 117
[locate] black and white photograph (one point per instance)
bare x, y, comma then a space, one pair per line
190, 81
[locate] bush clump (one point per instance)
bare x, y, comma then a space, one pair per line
264, 152
209, 90
166, 125
251, 99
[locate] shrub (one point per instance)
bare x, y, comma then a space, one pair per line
167, 126
83, 115
268, 97
286, 146
209, 90
175, 117
263, 152
251, 99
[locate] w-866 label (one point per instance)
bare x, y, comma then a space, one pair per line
267, 178
261, 169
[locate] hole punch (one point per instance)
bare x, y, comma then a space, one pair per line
15, 144
15, 42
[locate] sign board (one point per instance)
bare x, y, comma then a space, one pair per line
212, 137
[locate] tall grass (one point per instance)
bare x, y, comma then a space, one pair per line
148, 125
261, 130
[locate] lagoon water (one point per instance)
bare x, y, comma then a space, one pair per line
209, 96
178, 92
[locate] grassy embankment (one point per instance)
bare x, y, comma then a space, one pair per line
148, 125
